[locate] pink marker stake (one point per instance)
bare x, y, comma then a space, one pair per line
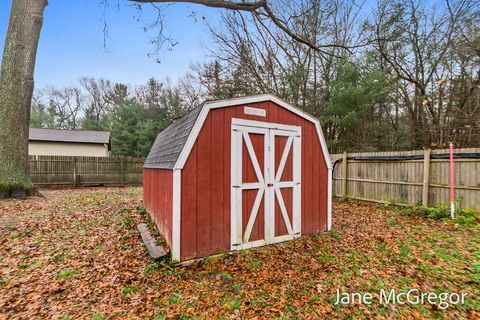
452, 183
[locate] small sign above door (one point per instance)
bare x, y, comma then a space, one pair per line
255, 111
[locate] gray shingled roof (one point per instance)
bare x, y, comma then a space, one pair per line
169, 143
57, 135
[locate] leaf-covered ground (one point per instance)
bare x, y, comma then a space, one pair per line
76, 254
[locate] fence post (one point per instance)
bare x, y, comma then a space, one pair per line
74, 160
344, 179
97, 170
122, 172
426, 177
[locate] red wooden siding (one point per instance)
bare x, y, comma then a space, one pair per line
205, 185
157, 199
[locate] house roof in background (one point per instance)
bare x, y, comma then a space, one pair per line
169, 143
58, 135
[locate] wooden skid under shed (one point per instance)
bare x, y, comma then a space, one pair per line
153, 249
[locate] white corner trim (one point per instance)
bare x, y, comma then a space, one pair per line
192, 137
246, 100
329, 200
176, 205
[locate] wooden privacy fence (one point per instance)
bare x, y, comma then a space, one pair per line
85, 171
425, 181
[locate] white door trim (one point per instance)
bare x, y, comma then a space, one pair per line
267, 125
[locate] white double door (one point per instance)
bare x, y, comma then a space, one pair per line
265, 183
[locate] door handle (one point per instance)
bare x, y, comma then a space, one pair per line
269, 184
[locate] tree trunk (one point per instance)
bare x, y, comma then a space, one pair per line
16, 89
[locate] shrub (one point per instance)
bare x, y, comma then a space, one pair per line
442, 211
466, 216
462, 216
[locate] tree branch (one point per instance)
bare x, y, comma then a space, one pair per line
255, 7
243, 6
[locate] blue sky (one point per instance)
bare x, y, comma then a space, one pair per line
71, 43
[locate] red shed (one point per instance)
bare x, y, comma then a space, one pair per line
238, 173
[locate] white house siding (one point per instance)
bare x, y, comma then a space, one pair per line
44, 148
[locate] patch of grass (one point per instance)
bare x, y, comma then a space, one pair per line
38, 239
236, 287
232, 303
175, 298
129, 290
127, 222
253, 265
225, 275
10, 226
443, 254
142, 211
68, 273
404, 251
475, 274
325, 258
124, 210
335, 234
99, 316
392, 222
291, 310
382, 248
5, 280
25, 264
63, 256
150, 269
65, 317
19, 234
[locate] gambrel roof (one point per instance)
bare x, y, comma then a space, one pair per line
173, 145
168, 144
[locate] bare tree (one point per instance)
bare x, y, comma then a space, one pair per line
261, 57
69, 104
414, 40
191, 90
99, 97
